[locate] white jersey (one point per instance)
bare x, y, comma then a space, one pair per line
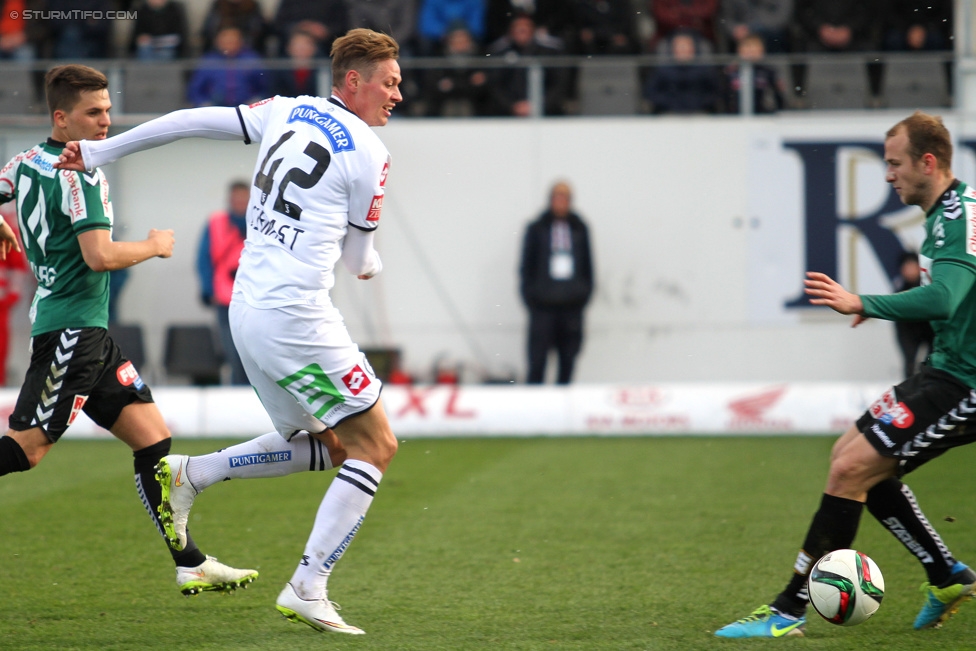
320, 170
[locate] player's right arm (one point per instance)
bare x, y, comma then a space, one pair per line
103, 254
212, 122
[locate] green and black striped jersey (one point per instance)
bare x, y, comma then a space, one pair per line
53, 207
947, 297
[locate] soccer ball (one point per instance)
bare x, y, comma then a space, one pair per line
845, 587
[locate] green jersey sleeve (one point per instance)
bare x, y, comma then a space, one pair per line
85, 199
951, 283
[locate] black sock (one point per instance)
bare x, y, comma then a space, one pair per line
145, 461
12, 457
833, 527
893, 504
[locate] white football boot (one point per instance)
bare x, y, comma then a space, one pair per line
212, 575
320, 614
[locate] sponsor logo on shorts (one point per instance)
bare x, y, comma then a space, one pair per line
883, 404
258, 459
356, 380
882, 436
900, 416
76, 406
127, 374
890, 411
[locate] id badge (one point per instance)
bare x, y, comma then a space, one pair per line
561, 265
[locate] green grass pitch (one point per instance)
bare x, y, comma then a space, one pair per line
552, 543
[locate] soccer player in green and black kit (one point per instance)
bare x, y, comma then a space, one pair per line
65, 220
920, 419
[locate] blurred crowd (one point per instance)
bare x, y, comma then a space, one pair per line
246, 33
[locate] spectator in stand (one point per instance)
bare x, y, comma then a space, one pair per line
836, 26
601, 27
438, 16
768, 19
699, 16
510, 85
915, 25
550, 16
683, 86
160, 32
229, 74
458, 90
302, 77
326, 20
245, 15
15, 44
218, 258
80, 38
767, 88
397, 18
920, 25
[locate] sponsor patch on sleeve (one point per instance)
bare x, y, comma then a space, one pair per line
356, 380
970, 227
375, 208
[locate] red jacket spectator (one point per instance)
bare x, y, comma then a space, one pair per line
693, 15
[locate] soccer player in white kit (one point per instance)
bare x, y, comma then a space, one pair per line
316, 199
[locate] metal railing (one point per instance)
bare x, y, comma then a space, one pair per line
132, 82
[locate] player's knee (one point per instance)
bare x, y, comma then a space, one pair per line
848, 477
384, 449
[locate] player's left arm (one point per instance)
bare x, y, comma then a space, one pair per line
367, 190
358, 255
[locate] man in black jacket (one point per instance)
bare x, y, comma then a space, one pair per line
557, 281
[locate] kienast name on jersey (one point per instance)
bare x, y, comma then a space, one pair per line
334, 130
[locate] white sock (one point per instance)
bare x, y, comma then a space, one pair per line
269, 455
340, 515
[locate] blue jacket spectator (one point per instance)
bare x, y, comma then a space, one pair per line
437, 17
684, 87
229, 74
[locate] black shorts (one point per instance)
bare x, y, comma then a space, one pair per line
920, 419
75, 370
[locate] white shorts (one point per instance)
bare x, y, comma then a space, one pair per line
305, 368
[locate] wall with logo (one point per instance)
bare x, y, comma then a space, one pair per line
739, 408
702, 229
